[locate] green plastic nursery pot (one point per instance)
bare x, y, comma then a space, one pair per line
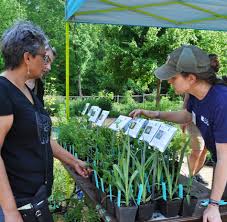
145, 211
170, 208
126, 214
189, 208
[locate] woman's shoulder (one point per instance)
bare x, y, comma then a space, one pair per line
219, 94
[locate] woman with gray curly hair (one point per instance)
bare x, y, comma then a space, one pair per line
26, 149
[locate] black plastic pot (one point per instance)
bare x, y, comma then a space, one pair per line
110, 207
126, 214
170, 208
189, 208
145, 211
103, 199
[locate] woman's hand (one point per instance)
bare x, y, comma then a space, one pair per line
136, 112
82, 168
13, 216
149, 114
212, 214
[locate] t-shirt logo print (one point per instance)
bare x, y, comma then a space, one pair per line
43, 127
205, 120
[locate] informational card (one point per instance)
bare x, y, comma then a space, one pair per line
120, 123
135, 126
100, 121
163, 137
95, 114
90, 111
150, 130
85, 108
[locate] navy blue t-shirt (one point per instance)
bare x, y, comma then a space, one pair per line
210, 116
27, 142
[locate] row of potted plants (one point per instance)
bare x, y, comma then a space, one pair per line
132, 179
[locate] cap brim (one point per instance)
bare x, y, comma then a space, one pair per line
165, 72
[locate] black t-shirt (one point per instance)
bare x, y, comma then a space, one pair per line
27, 145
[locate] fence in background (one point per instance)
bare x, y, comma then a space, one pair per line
118, 98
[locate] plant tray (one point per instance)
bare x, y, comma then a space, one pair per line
198, 190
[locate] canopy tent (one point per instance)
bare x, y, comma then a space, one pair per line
193, 14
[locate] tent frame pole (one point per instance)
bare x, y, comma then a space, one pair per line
67, 69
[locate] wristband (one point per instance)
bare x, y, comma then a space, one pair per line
213, 202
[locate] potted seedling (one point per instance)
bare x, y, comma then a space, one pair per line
189, 202
145, 168
123, 180
170, 205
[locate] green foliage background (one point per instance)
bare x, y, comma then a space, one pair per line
104, 57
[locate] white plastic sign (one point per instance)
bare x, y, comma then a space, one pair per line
100, 121
163, 137
150, 130
85, 108
95, 114
120, 123
134, 127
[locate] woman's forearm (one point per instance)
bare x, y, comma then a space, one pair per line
7, 201
62, 154
177, 117
220, 173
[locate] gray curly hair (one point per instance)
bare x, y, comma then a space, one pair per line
22, 37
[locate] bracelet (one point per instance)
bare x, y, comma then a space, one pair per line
213, 202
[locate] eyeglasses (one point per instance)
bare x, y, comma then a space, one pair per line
46, 58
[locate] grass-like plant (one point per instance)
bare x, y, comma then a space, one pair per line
171, 172
144, 168
122, 176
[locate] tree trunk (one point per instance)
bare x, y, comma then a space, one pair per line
79, 85
158, 97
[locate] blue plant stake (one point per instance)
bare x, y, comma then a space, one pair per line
119, 198
147, 183
76, 156
139, 194
102, 185
180, 191
164, 195
96, 179
111, 197
70, 149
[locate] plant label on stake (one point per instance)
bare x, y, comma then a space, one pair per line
111, 196
119, 198
85, 108
120, 123
180, 191
134, 127
140, 194
96, 179
94, 114
150, 130
102, 185
90, 111
164, 193
163, 137
100, 121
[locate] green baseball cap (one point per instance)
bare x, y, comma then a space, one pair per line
187, 58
